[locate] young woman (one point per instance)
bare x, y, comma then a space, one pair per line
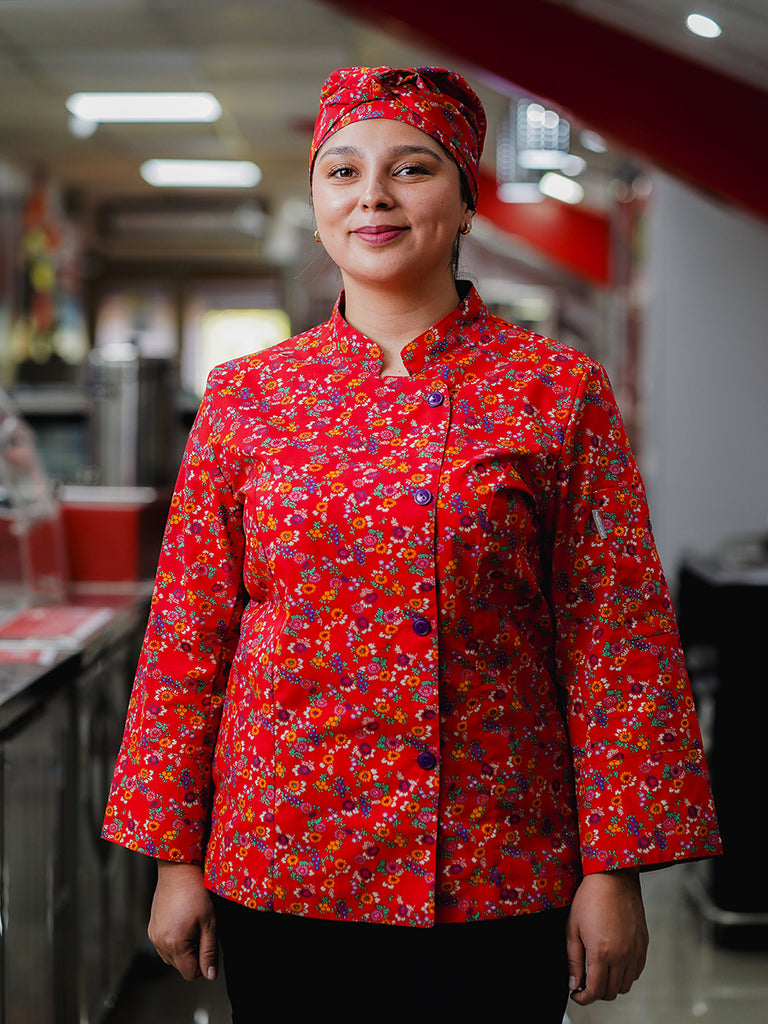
411, 712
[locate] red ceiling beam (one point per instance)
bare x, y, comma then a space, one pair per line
572, 237
691, 121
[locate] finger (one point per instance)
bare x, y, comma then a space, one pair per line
595, 986
627, 980
640, 965
181, 955
208, 951
613, 983
162, 951
632, 973
575, 953
185, 960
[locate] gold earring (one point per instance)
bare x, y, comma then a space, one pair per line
467, 228
316, 236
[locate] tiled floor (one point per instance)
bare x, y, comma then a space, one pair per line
688, 980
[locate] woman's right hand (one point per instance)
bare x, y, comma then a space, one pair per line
182, 925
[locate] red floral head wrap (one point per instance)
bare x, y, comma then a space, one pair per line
438, 102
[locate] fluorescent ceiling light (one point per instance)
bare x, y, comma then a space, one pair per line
541, 159
519, 192
701, 25
125, 107
564, 189
201, 173
573, 166
82, 129
550, 160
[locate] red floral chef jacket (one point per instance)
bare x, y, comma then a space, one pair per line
411, 656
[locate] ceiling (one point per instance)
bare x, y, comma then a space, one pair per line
741, 51
264, 60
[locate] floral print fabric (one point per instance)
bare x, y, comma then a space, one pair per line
411, 656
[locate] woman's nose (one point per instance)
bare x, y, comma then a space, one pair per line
375, 194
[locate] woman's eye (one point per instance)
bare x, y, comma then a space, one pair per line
412, 169
341, 172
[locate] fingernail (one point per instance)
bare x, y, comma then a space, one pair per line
572, 983
211, 974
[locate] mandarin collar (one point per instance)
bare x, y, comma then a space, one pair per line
448, 333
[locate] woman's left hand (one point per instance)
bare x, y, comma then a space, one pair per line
607, 937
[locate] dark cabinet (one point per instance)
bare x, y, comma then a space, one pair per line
723, 613
73, 908
112, 882
39, 952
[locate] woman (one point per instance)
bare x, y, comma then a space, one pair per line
411, 658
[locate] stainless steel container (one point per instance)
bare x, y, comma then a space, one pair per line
133, 421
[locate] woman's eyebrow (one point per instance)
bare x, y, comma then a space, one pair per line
410, 150
395, 151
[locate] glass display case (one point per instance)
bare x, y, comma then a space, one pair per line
32, 554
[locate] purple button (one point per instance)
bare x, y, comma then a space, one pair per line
426, 760
422, 626
422, 496
434, 398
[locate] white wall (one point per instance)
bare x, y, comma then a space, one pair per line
705, 436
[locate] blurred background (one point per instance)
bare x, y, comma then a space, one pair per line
622, 210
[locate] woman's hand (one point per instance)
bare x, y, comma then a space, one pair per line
182, 925
607, 937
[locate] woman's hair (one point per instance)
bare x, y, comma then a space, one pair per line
469, 200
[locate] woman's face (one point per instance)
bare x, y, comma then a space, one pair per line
388, 205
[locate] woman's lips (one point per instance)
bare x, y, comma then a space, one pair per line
379, 234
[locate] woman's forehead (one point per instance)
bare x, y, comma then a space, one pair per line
379, 134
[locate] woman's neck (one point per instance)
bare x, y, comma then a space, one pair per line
393, 319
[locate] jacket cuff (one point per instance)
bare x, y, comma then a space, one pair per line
638, 809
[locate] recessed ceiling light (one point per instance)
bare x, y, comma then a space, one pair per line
592, 141
201, 173
701, 25
132, 107
558, 187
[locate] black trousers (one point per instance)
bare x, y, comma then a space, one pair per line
513, 968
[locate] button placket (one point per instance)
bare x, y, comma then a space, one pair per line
435, 420
430, 428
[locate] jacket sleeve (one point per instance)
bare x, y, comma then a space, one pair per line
642, 789
159, 800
